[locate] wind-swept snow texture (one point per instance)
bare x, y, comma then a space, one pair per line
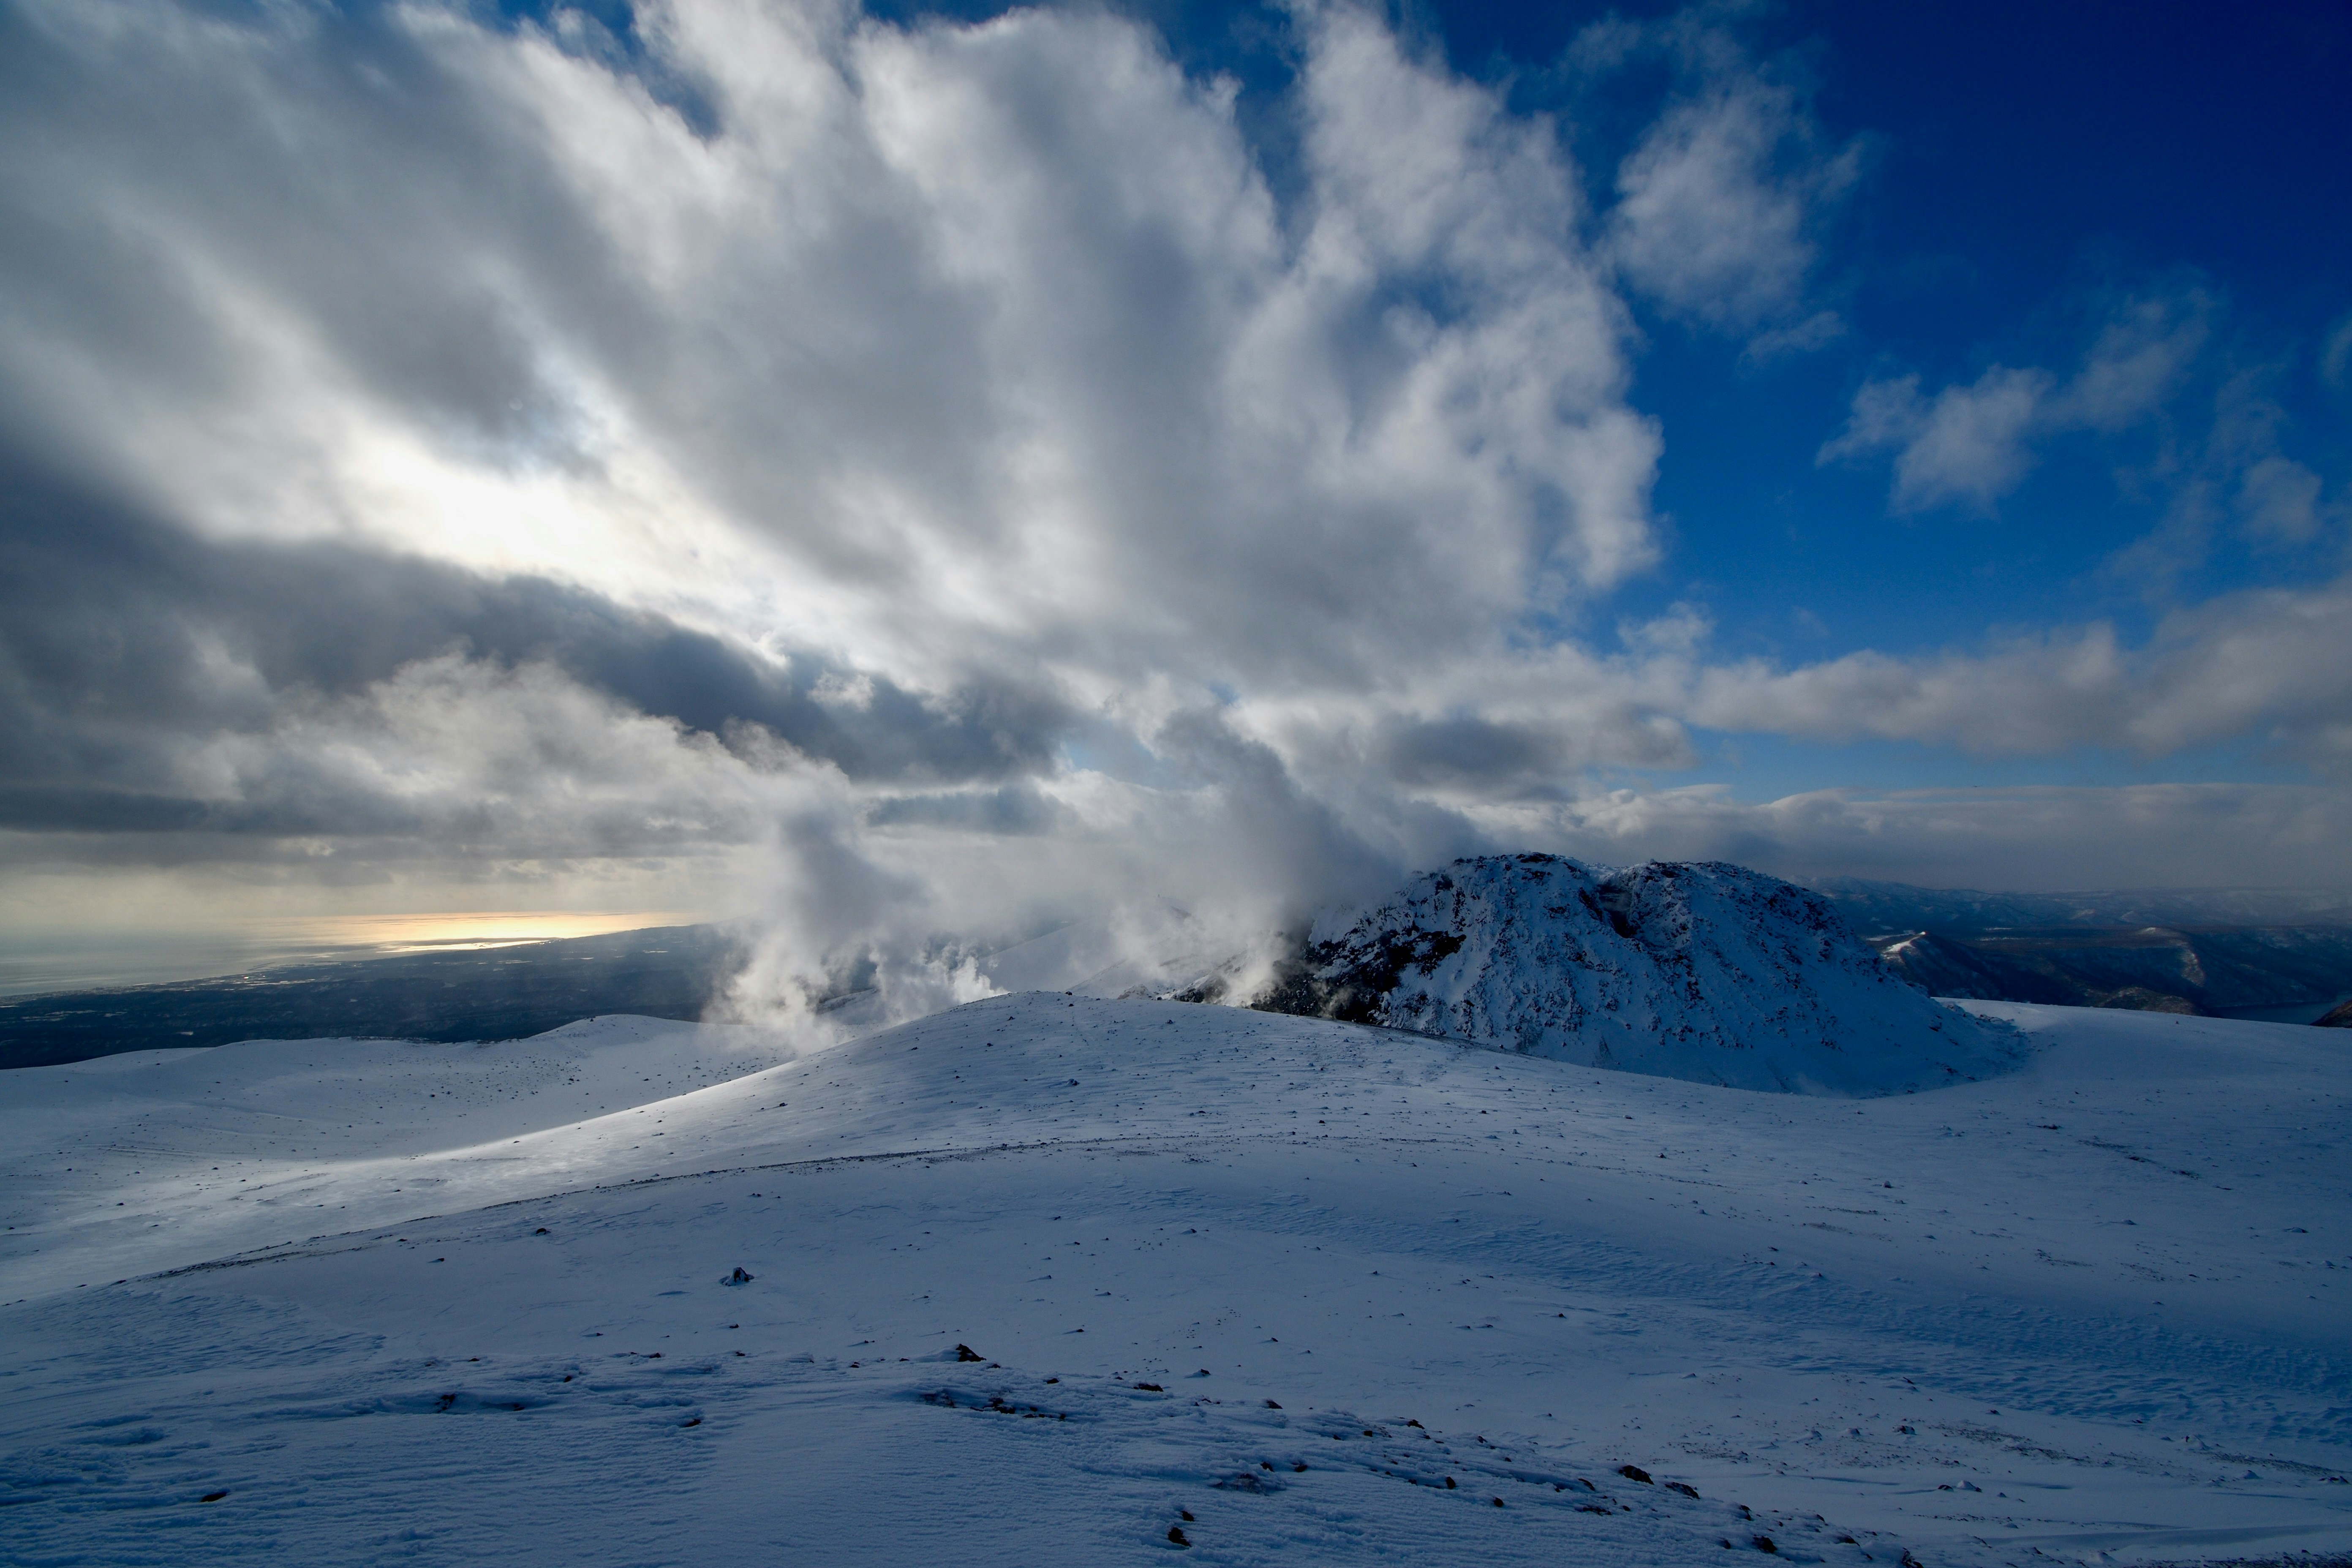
1705, 972
1302, 1290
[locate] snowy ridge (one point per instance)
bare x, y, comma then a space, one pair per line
1272, 1282
1706, 971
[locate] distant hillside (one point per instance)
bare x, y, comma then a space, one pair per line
2195, 952
2154, 968
1886, 907
496, 994
1706, 971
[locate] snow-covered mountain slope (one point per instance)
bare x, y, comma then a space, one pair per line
1269, 1282
1708, 972
198, 1151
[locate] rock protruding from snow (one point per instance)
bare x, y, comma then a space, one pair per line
1705, 971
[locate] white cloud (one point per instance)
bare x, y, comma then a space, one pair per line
2027, 839
1972, 445
2138, 362
1967, 444
1720, 204
2276, 663
1703, 224
2335, 355
1065, 514
2278, 499
942, 344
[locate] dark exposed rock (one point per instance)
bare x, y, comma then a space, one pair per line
1708, 972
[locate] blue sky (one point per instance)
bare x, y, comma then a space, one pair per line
2027, 167
2025, 172
908, 467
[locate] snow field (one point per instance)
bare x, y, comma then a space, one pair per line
1822, 1311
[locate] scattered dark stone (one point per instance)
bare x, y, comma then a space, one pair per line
540, 1231
1299, 1467
1449, 1483
1592, 1508
1176, 1535
1634, 1473
1683, 1487
1764, 1544
1848, 1541
694, 1421
1415, 1425
1186, 1515
965, 1353
1498, 1502
212, 1497
1270, 1404
1150, 1388
737, 1277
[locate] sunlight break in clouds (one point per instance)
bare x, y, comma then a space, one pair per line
975, 358
936, 467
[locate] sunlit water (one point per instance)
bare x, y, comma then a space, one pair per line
31, 962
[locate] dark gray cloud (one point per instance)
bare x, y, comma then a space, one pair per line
125, 643
928, 474
1010, 809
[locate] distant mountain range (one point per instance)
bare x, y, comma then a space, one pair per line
2172, 952
1647, 961
1878, 908
494, 993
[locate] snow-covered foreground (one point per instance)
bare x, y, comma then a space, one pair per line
1270, 1281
